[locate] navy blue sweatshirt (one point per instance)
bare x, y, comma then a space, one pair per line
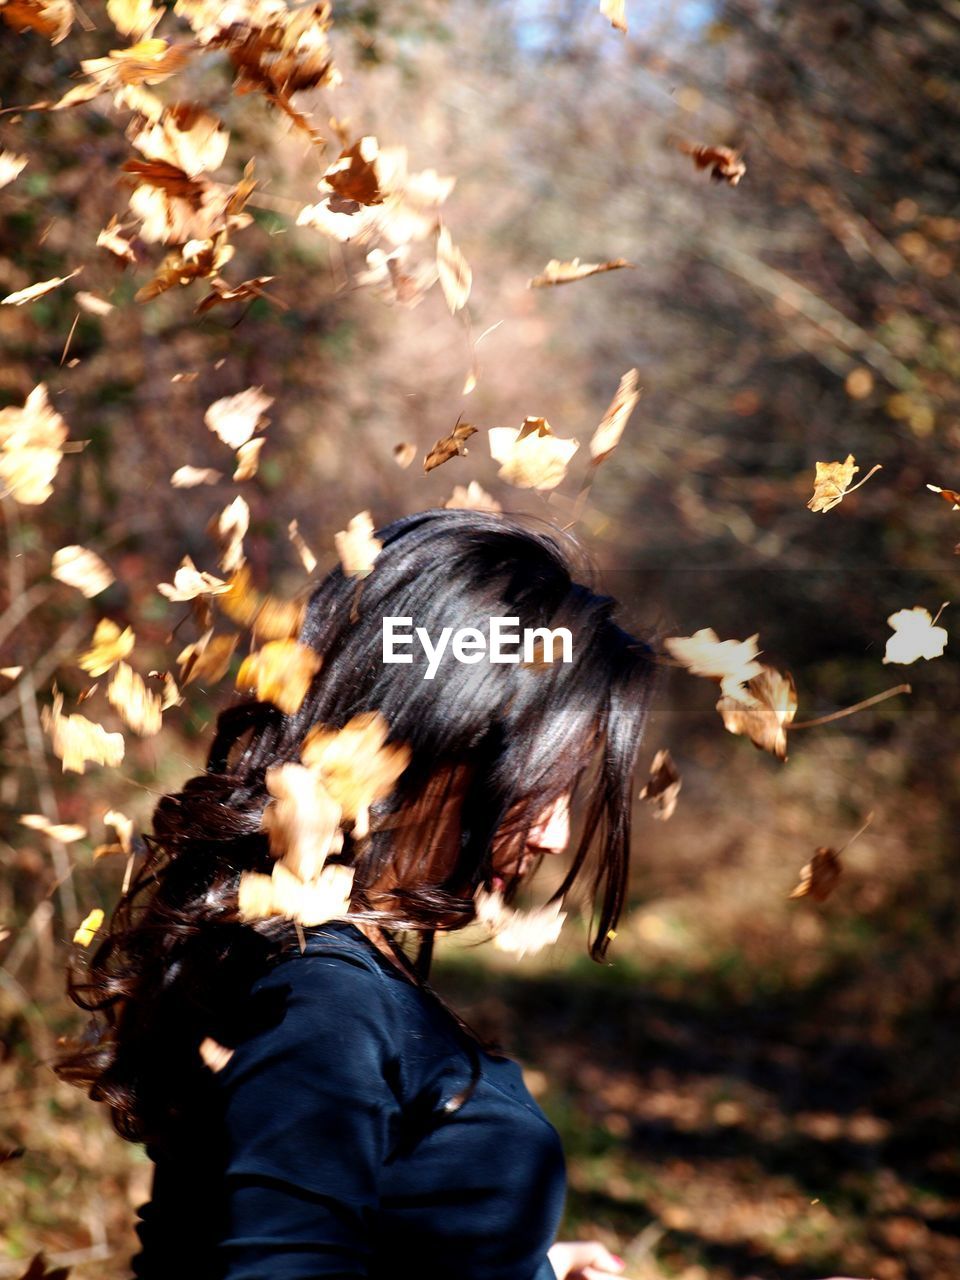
328, 1148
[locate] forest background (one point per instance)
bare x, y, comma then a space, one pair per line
756, 1085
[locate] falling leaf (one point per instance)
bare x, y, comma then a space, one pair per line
762, 710
819, 877
607, 435
213, 1054
395, 281
196, 260
11, 166
207, 658
307, 558
455, 274
190, 582
10, 673
89, 927
518, 932
31, 447
302, 820
915, 636
123, 826
282, 893
224, 293
83, 569
472, 498
705, 654
248, 458
355, 763
111, 240
725, 164
615, 11
171, 694
832, 483
663, 786
110, 644
36, 290
65, 832
450, 446
92, 304
404, 454
229, 528
135, 18
353, 175
533, 457
75, 739
280, 672
557, 272
948, 495
189, 477
235, 418
357, 547
51, 18
138, 705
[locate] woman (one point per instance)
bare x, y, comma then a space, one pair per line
358, 1126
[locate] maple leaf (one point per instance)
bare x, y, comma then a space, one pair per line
235, 418
607, 435
915, 635
81, 568
732, 662
533, 457
725, 164
762, 710
280, 672
557, 272
450, 446
110, 644
832, 483
663, 786
357, 547
472, 498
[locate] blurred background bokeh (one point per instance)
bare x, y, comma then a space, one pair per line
753, 1085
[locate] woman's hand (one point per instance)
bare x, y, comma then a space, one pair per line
584, 1260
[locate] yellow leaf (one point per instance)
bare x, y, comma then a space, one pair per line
607, 435
280, 672
615, 11
83, 569
207, 658
914, 636
75, 739
190, 582
11, 166
139, 707
87, 930
282, 893
302, 820
52, 18
518, 932
472, 498
455, 274
65, 832
356, 764
31, 447
110, 644
833, 479
533, 457
357, 547
732, 662
189, 477
229, 528
248, 459
307, 558
235, 418
133, 17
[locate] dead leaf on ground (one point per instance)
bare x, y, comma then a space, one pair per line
663, 787
557, 272
450, 446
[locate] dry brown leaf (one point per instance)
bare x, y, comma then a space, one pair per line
248, 458
235, 418
394, 282
302, 820
230, 528
533, 457
355, 763
135, 18
197, 260
307, 558
282, 893
207, 658
110, 644
10, 673
11, 166
819, 877
92, 303
353, 175
65, 832
138, 706
663, 787
725, 164
213, 1054
171, 694
732, 662
189, 477
75, 739
186, 137
404, 453
915, 635
31, 447
78, 567
280, 672
357, 547
223, 293
89, 927
455, 274
615, 11
948, 495
189, 582
518, 932
472, 498
832, 481
278, 619
450, 446
607, 435
557, 272
50, 18
111, 240
33, 291
762, 710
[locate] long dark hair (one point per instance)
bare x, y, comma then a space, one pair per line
491, 744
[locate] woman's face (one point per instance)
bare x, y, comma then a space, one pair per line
550, 833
